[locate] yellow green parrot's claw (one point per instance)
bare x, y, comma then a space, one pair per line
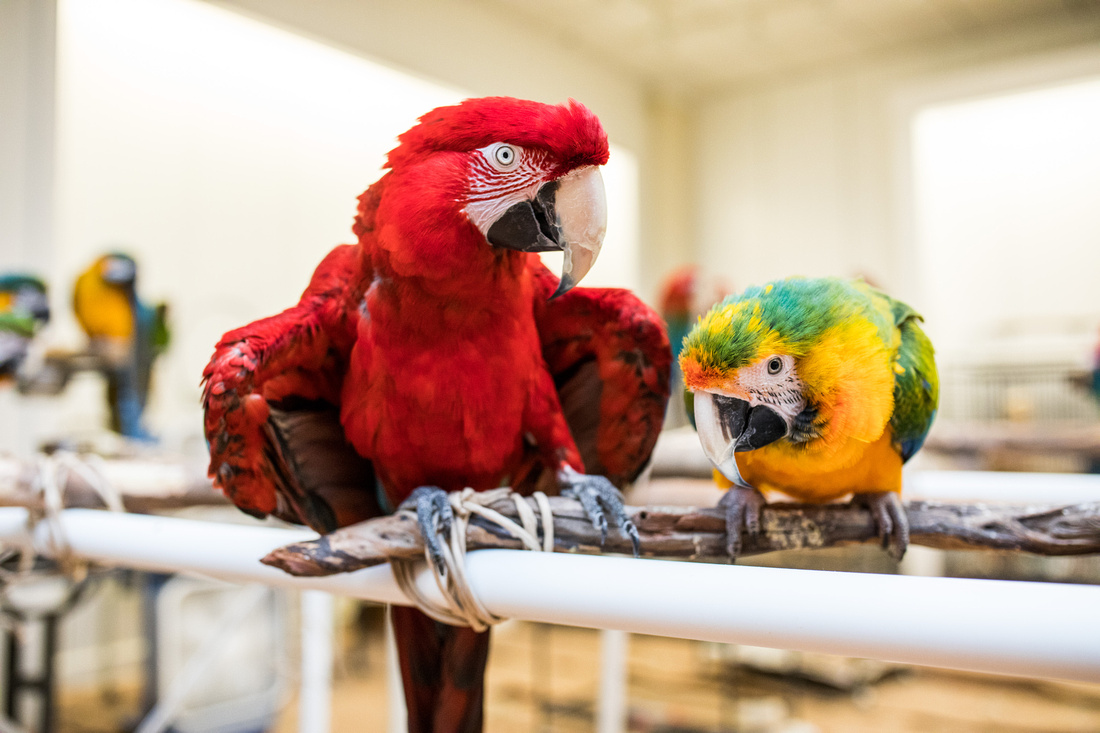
890, 519
743, 506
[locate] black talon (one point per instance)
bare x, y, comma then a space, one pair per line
434, 516
743, 507
890, 519
601, 501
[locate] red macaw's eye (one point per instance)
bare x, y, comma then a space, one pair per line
502, 156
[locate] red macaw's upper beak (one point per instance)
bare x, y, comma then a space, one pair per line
568, 214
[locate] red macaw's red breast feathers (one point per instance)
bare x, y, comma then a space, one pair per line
569, 132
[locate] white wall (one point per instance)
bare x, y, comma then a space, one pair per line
810, 174
27, 66
1008, 224
27, 72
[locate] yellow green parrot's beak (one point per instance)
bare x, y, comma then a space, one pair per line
728, 425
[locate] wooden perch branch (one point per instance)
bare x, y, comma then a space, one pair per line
699, 533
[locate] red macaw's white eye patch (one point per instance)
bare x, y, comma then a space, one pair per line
501, 175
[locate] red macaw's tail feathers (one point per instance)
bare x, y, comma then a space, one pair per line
443, 670
322, 481
610, 357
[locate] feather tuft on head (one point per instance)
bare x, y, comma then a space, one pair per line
569, 132
786, 316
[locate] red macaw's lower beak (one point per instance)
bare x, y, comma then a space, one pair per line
728, 426
568, 214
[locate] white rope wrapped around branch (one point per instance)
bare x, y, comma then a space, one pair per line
463, 607
50, 478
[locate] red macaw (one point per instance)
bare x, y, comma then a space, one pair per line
438, 353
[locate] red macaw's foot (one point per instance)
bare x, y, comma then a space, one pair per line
435, 517
601, 501
890, 519
743, 505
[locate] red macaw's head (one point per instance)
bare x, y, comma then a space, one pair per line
490, 175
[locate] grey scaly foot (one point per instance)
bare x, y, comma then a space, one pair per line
601, 501
743, 506
434, 516
890, 519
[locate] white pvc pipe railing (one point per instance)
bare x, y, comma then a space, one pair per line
1005, 627
1002, 487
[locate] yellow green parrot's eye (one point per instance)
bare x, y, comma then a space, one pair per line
775, 365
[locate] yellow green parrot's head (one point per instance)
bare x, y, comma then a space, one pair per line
790, 362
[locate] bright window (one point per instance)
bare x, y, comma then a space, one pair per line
1008, 223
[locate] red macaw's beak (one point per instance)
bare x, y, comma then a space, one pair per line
727, 426
567, 215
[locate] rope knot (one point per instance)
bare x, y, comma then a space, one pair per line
461, 605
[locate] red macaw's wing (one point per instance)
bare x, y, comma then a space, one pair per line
326, 482
610, 358
270, 396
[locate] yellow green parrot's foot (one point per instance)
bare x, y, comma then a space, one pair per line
435, 516
890, 520
600, 500
743, 506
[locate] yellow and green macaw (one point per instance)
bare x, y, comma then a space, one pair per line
125, 333
817, 388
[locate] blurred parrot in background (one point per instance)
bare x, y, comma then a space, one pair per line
677, 306
439, 353
24, 309
125, 334
817, 388
685, 295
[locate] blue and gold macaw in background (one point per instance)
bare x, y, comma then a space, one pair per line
24, 309
124, 334
817, 388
